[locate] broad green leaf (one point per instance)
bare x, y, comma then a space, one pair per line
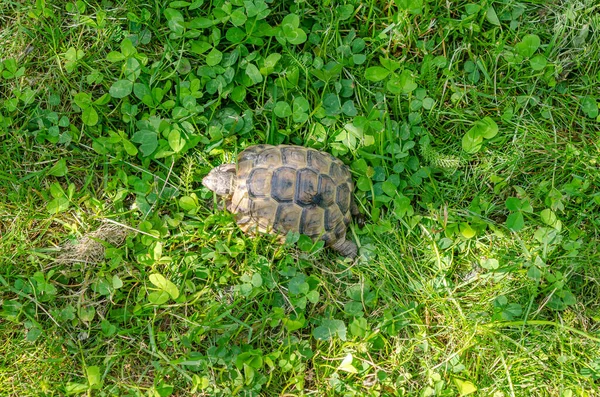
73, 54
528, 46
115, 56
175, 21
57, 205
129, 147
534, 273
538, 62
295, 36
406, 82
376, 73
132, 69
412, 6
158, 297
464, 387
589, 106
471, 142
389, 188
358, 45
238, 17
272, 60
254, 74
235, 35
360, 165
108, 329
472, 8
549, 218
359, 59
300, 108
568, 298
402, 206
75, 388
89, 116
330, 328
127, 48
159, 281
363, 184
428, 103
490, 264
200, 47
515, 221
525, 205
148, 141
257, 8
347, 366
313, 296
359, 327
59, 168
486, 127
354, 308
116, 282
176, 142
513, 204
344, 11
466, 230
331, 104
200, 23
491, 16
298, 285
349, 109
56, 190
512, 311
142, 91
252, 358
82, 99
292, 20
500, 301
120, 89
188, 203
238, 94
93, 377
294, 324
214, 57
282, 109
103, 100
256, 280
389, 64
11, 65
440, 61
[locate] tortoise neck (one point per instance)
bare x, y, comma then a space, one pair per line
231, 183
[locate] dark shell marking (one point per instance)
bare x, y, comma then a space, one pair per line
291, 188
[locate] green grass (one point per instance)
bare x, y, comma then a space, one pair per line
473, 134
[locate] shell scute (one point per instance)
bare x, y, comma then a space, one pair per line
311, 221
319, 161
283, 184
343, 197
287, 217
326, 190
259, 183
307, 185
291, 188
294, 156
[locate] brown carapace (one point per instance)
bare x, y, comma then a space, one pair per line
278, 189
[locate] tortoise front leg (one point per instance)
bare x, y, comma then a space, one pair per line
360, 218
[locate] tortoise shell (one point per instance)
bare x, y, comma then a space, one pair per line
278, 189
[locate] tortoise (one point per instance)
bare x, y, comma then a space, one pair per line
286, 188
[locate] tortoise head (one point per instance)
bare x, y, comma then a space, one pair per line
220, 179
